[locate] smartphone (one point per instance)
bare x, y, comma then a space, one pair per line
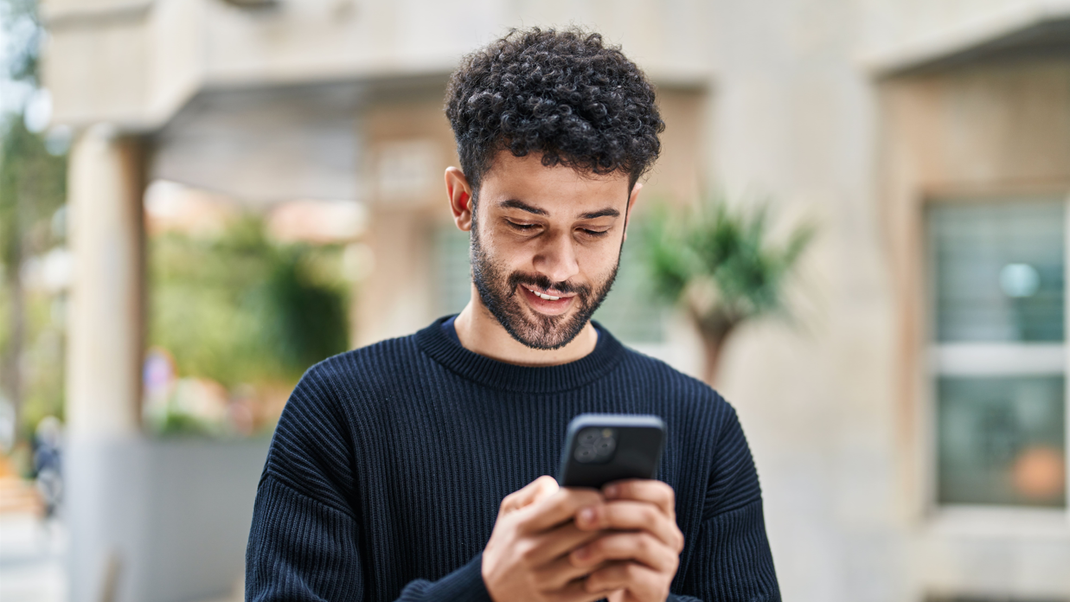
600, 448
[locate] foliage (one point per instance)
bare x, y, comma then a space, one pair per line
32, 193
33, 186
22, 26
720, 264
240, 309
311, 317
181, 423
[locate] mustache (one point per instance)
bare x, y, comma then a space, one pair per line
542, 282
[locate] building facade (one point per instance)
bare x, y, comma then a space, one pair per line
910, 431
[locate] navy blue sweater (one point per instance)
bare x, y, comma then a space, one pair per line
389, 463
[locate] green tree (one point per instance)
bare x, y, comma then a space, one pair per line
720, 265
239, 308
32, 189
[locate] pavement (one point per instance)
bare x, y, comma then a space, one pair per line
31, 558
33, 549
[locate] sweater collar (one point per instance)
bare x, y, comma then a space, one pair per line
495, 374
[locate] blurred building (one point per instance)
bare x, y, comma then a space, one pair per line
910, 432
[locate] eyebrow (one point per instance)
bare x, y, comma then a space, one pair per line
515, 204
601, 213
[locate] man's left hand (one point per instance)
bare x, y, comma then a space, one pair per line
641, 549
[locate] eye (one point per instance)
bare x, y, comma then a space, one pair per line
594, 233
522, 227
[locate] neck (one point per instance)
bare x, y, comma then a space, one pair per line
480, 332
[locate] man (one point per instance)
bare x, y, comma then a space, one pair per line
415, 469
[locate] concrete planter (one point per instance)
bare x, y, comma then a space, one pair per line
159, 520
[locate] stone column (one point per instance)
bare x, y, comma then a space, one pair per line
106, 494
104, 351
396, 296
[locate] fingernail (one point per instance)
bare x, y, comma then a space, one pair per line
587, 516
611, 491
582, 553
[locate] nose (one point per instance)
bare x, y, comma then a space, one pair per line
557, 259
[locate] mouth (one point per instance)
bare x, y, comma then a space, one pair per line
546, 303
545, 296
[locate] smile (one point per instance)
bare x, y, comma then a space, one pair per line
546, 304
543, 296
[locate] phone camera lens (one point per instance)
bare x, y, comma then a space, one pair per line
595, 444
586, 453
605, 448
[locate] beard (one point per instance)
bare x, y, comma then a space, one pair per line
498, 292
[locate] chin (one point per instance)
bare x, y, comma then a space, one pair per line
542, 332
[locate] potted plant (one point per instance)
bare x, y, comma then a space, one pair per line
721, 266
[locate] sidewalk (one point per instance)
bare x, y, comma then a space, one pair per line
31, 559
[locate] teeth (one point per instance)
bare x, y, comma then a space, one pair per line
542, 296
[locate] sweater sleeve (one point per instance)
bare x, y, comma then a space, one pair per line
464, 585
305, 540
301, 550
730, 560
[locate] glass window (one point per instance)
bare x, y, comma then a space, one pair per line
999, 271
999, 356
631, 311
452, 272
1001, 440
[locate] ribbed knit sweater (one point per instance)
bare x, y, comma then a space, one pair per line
389, 463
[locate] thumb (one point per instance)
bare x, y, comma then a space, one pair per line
532, 492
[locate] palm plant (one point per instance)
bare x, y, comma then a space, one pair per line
719, 264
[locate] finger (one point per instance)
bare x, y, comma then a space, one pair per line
532, 492
559, 573
557, 508
644, 490
641, 547
578, 591
558, 542
642, 582
633, 516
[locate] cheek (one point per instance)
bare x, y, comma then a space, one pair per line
504, 251
600, 257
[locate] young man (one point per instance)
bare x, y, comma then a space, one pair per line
415, 469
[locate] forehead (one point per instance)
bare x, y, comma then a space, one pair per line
558, 190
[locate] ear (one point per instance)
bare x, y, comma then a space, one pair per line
631, 205
460, 194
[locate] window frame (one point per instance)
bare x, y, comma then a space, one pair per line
990, 359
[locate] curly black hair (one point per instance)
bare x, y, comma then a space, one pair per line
564, 94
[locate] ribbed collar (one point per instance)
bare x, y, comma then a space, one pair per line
495, 374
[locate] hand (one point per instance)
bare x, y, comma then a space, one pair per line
527, 557
639, 548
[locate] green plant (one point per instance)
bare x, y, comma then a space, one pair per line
240, 310
32, 191
720, 264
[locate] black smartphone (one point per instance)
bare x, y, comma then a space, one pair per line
600, 448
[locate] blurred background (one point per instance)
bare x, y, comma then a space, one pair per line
199, 199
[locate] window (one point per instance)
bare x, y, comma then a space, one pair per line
452, 271
629, 312
998, 278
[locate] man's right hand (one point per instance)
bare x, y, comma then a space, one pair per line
527, 558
